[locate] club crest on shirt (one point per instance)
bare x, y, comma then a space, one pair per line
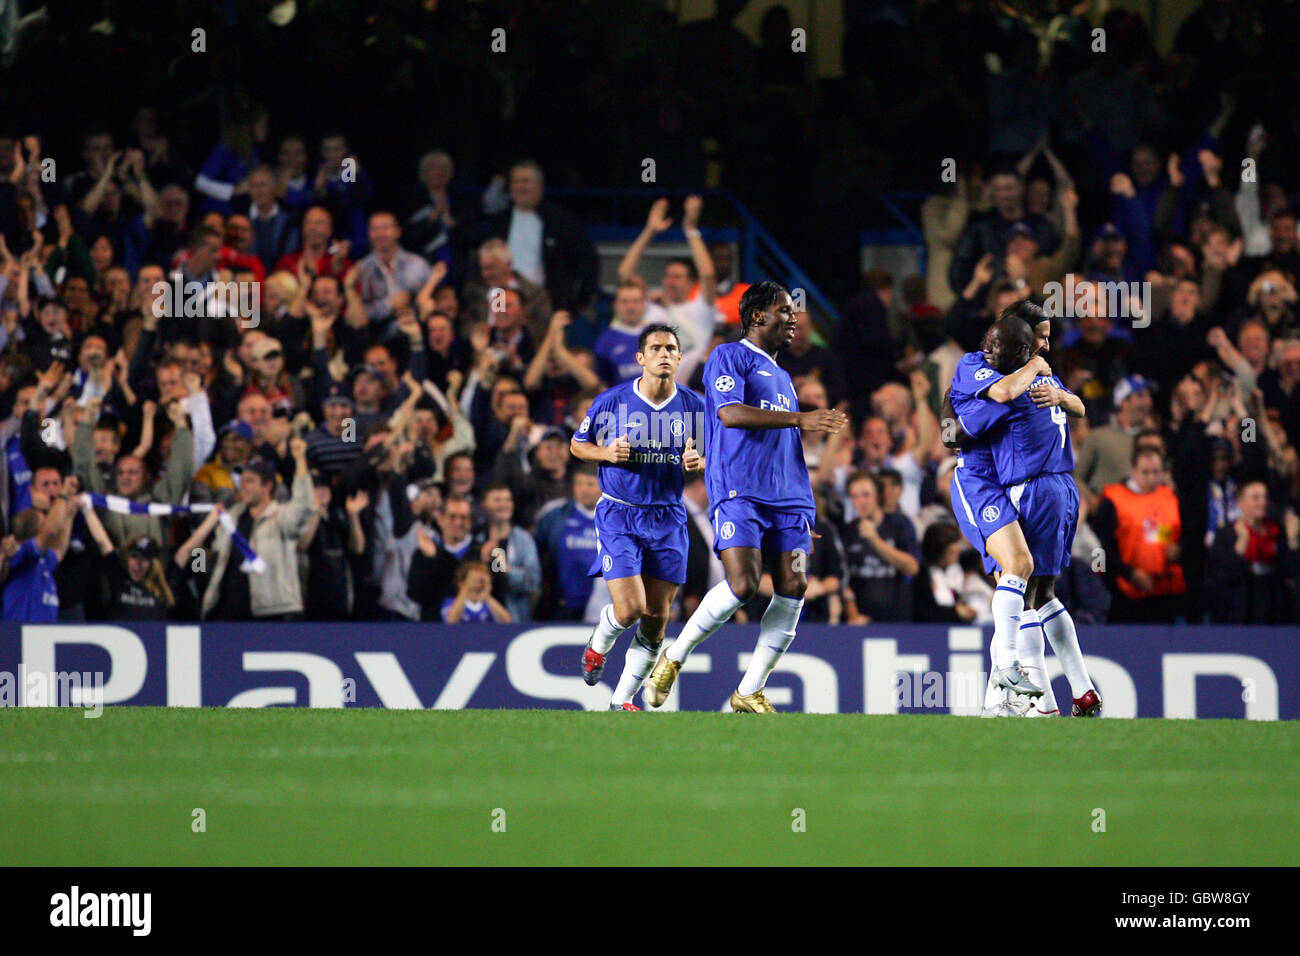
607, 562
991, 513
728, 530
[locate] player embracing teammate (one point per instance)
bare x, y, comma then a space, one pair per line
1016, 502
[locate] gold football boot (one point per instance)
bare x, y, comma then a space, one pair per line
755, 703
660, 682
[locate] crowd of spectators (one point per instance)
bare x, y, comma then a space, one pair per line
376, 396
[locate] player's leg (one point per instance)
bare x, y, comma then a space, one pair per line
643, 651
1007, 546
1050, 532
1033, 653
742, 566
737, 534
987, 518
776, 630
1059, 628
627, 603
618, 560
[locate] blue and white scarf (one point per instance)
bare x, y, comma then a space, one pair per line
117, 504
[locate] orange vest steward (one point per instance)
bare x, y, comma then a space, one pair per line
1147, 525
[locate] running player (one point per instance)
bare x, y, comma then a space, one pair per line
643, 434
759, 493
1029, 438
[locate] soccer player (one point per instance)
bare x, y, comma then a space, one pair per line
1028, 437
759, 492
1001, 372
643, 434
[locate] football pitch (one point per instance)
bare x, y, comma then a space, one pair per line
375, 787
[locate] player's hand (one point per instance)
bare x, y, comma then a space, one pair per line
691, 460
1046, 396
618, 452
1040, 366
1141, 580
829, 420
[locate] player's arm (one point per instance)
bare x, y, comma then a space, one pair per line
616, 453
952, 434
737, 415
1011, 387
1049, 396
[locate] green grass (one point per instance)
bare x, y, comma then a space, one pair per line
284, 786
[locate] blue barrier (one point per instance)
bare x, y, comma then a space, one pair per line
1140, 671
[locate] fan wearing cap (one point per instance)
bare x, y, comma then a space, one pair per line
234, 449
138, 582
1024, 260
1105, 454
543, 478
337, 441
1095, 355
269, 377
272, 529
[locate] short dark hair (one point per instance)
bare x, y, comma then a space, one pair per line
446, 465
1141, 451
26, 523
495, 486
937, 539
200, 233
1027, 311
890, 475
655, 329
689, 263
759, 298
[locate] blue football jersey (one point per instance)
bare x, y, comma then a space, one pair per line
762, 464
970, 381
1026, 440
657, 434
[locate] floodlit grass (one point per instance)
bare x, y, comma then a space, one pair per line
375, 787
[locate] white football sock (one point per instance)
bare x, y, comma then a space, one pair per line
607, 630
775, 634
1034, 659
640, 661
1060, 630
1008, 604
714, 611
993, 694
